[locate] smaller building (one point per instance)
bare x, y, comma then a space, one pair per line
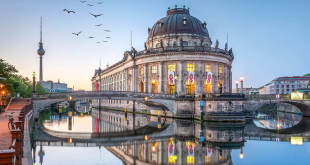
54, 86
247, 91
285, 85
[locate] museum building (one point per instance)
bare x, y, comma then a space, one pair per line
177, 59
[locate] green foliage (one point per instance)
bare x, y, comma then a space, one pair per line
308, 74
7, 70
14, 83
45, 115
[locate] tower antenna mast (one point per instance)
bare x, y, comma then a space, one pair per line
41, 31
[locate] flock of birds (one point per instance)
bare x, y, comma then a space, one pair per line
95, 15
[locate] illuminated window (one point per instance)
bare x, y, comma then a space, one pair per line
184, 21
220, 69
208, 159
154, 69
171, 68
190, 67
154, 156
172, 158
190, 159
141, 71
208, 68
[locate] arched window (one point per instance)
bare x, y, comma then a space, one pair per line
195, 43
174, 44
206, 45
158, 45
184, 21
190, 67
184, 43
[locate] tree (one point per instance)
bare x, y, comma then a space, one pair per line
7, 70
308, 74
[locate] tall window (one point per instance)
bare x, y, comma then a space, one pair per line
208, 68
220, 69
190, 67
171, 68
184, 43
154, 69
141, 71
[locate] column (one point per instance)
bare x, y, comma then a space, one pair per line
161, 79
215, 69
146, 77
165, 72
125, 80
224, 78
180, 80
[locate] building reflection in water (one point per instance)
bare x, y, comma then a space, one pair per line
176, 141
184, 147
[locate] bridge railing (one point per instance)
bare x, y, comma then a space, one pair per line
101, 93
268, 97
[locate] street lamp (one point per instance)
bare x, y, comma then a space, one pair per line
153, 86
2, 102
175, 86
33, 82
241, 79
237, 86
241, 154
1, 85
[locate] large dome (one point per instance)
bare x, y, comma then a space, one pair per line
178, 20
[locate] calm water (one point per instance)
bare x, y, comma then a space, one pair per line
111, 138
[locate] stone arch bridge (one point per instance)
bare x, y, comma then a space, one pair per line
155, 101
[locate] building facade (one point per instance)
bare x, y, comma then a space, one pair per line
178, 58
54, 86
285, 85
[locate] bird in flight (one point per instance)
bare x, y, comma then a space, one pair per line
107, 30
82, 1
99, 3
98, 25
90, 37
90, 5
77, 33
96, 15
108, 37
68, 11
104, 41
98, 42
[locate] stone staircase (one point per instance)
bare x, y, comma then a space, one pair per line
18, 104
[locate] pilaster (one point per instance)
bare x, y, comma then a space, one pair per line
161, 79
146, 77
215, 68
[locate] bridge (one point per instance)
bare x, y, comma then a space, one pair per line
177, 105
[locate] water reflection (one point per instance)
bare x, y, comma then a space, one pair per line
122, 137
276, 120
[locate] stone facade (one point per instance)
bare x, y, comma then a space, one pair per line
180, 52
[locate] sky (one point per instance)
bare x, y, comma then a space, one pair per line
269, 39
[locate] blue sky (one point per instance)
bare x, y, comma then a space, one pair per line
269, 38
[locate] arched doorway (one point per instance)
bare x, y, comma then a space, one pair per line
190, 88
207, 87
220, 86
170, 88
154, 86
141, 86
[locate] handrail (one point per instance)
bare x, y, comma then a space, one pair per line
7, 107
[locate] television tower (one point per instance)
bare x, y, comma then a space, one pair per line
41, 52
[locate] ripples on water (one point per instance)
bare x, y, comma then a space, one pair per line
115, 138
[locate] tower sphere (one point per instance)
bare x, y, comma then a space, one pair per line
41, 51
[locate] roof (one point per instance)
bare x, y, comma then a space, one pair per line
173, 24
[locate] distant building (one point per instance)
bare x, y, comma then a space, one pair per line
81, 90
247, 91
69, 90
285, 85
54, 86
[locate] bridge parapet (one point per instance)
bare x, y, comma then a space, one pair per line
102, 93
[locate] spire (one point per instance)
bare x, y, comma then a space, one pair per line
41, 31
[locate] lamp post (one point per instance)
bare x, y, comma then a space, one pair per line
175, 86
237, 91
241, 79
153, 86
241, 154
33, 82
